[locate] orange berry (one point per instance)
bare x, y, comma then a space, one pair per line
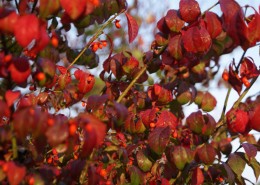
49, 160
174, 134
104, 43
50, 121
83, 104
40, 76
7, 58
246, 82
100, 46
117, 24
152, 125
95, 2
72, 129
103, 172
31, 181
54, 42
94, 47
225, 75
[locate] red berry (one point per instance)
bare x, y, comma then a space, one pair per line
54, 42
94, 47
40, 76
225, 75
237, 121
31, 181
117, 24
245, 81
7, 58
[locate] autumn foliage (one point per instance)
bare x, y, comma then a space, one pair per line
132, 130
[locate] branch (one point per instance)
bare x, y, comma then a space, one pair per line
97, 34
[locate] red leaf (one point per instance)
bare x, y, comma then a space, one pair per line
86, 83
189, 10
74, 8
43, 40
250, 150
237, 120
11, 96
175, 47
20, 70
8, 22
27, 29
167, 118
15, 174
159, 138
132, 27
213, 24
254, 122
196, 40
173, 21
130, 65
48, 7
197, 177
232, 13
162, 26
63, 70
252, 31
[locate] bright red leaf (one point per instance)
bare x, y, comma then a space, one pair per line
15, 173
213, 24
196, 40
254, 122
237, 121
132, 27
167, 118
189, 10
27, 29
8, 22
74, 8
11, 97
248, 68
232, 13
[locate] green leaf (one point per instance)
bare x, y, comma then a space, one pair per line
256, 167
237, 164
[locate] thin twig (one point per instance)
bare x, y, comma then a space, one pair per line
97, 34
210, 8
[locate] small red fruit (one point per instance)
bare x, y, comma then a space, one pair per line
237, 120
40, 76
7, 58
54, 41
117, 24
94, 47
72, 129
246, 82
31, 181
225, 75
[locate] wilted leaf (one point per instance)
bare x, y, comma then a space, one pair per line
159, 138
248, 68
132, 27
